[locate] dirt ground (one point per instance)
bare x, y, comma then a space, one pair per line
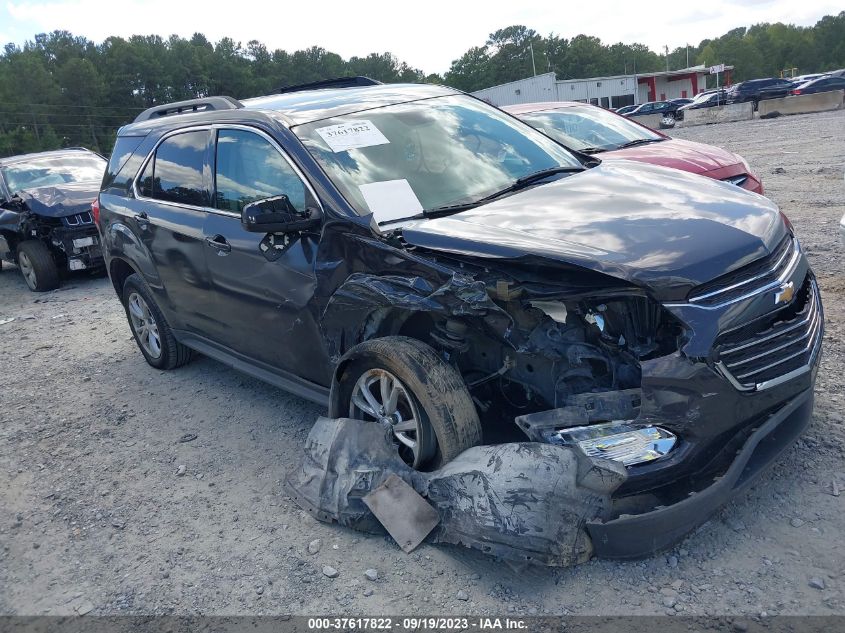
94, 518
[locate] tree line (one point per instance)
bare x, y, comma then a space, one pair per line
61, 90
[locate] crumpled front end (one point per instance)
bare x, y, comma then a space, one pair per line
691, 392
736, 393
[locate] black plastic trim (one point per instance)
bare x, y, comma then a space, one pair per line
277, 378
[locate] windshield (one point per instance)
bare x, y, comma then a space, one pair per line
50, 171
587, 128
399, 160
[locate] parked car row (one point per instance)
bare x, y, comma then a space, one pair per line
756, 90
753, 91
411, 256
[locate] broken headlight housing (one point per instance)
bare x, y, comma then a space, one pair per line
624, 442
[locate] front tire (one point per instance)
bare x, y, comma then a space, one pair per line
153, 335
37, 266
402, 383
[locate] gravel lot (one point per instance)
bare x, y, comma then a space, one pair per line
96, 520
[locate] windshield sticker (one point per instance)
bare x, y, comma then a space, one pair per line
352, 135
390, 199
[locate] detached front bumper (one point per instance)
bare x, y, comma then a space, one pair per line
636, 536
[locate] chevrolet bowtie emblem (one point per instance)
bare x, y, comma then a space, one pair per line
785, 294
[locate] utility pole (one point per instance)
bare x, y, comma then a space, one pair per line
533, 65
666, 48
687, 55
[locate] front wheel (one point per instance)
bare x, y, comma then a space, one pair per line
402, 384
37, 266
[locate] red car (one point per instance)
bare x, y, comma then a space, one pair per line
594, 130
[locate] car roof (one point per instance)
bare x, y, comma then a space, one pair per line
70, 151
526, 108
303, 106
308, 106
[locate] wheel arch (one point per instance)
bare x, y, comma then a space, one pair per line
379, 323
119, 271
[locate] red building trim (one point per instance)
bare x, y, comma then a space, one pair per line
652, 86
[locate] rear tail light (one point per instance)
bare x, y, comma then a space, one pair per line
95, 211
795, 92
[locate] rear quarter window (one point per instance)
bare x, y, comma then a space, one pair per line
124, 163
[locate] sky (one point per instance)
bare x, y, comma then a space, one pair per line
427, 35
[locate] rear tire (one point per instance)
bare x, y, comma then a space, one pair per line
153, 335
448, 422
37, 266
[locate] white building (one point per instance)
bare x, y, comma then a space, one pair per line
608, 92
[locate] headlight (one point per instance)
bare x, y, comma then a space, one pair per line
620, 441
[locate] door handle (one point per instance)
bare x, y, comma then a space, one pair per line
142, 219
219, 243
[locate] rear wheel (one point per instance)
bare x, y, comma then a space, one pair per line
402, 384
153, 335
37, 266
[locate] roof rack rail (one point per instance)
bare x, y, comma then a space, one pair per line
339, 82
204, 104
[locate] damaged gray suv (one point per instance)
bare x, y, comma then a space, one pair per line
411, 256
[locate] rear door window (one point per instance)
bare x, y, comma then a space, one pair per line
175, 173
248, 167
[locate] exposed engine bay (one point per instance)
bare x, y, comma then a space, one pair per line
556, 348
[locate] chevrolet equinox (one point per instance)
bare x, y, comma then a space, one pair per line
412, 256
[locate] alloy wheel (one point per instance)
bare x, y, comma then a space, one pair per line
28, 271
144, 325
380, 396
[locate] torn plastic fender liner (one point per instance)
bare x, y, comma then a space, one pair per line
359, 297
520, 501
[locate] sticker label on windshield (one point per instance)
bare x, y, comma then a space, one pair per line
352, 135
390, 199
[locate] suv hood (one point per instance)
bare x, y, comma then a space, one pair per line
697, 158
662, 229
60, 200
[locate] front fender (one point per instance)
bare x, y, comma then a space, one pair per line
361, 303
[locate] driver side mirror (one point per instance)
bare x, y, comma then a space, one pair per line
278, 215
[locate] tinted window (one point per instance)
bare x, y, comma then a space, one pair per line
124, 163
145, 182
175, 173
250, 168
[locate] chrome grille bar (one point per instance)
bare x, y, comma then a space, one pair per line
796, 346
776, 270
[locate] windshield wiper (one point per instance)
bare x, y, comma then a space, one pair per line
539, 175
592, 150
518, 184
640, 141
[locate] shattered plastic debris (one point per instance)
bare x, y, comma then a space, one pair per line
523, 502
